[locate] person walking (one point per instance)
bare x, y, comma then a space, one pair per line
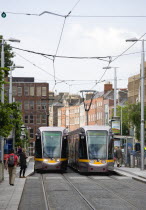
119, 156
11, 165
22, 163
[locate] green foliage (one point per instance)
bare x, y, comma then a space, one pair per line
131, 117
10, 118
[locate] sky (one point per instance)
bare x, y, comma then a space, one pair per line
82, 36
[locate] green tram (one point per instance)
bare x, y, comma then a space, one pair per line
51, 149
91, 148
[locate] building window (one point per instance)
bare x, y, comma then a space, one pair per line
26, 119
31, 91
19, 91
44, 91
43, 119
26, 90
14, 91
38, 105
44, 105
38, 119
31, 118
26, 105
31, 104
20, 104
31, 133
38, 91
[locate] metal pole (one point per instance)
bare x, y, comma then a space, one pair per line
115, 91
142, 107
2, 66
121, 120
87, 116
10, 87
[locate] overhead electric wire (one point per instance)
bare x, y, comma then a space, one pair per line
128, 48
60, 42
65, 57
75, 16
39, 67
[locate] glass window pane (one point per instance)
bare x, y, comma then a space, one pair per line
51, 144
31, 118
31, 91
26, 90
44, 91
19, 91
44, 119
14, 90
26, 105
26, 119
38, 119
31, 104
38, 91
97, 147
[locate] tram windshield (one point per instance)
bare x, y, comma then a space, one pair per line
51, 144
97, 144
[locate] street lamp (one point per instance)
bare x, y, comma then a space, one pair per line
3, 61
87, 106
141, 99
10, 87
115, 87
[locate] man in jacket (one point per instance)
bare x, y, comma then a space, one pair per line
11, 164
119, 156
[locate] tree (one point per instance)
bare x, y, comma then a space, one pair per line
10, 118
131, 117
8, 54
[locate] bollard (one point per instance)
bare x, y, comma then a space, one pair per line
132, 161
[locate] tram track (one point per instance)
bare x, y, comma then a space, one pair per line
111, 191
45, 195
81, 195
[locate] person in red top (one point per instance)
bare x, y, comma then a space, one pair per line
11, 164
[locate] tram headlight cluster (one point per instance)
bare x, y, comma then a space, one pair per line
91, 161
45, 160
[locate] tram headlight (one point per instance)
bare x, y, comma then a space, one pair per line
91, 161
57, 160
45, 160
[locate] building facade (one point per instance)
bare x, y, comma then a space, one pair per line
33, 98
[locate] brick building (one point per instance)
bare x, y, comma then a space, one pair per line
33, 98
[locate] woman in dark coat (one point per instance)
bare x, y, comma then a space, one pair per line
22, 162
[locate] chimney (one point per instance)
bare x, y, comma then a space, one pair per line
108, 87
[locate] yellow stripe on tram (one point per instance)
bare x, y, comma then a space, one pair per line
108, 161
50, 160
83, 160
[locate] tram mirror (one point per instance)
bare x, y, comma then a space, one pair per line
38, 137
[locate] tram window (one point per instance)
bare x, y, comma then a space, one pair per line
110, 149
97, 144
64, 148
51, 144
82, 149
38, 148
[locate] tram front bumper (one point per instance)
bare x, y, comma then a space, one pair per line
97, 167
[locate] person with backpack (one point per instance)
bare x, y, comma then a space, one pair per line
11, 164
22, 163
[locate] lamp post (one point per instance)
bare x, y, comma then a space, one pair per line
141, 99
87, 106
10, 87
115, 87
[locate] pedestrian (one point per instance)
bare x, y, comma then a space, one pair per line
119, 156
11, 165
19, 150
22, 163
